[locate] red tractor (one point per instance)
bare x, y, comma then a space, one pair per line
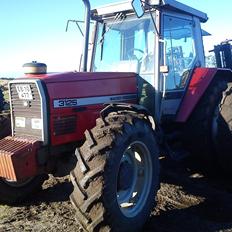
146, 93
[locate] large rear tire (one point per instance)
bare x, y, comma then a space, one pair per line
14, 192
222, 131
208, 135
117, 175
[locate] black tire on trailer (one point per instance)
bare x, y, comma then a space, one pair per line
15, 192
117, 175
206, 126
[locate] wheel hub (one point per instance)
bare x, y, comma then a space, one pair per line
125, 177
134, 179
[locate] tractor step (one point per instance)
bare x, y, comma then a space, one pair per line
18, 158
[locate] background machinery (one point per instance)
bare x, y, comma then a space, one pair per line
1, 99
223, 54
5, 128
146, 93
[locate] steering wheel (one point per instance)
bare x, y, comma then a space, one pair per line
131, 55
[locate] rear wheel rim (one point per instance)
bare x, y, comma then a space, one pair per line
131, 200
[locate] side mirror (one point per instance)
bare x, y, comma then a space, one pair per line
164, 69
138, 7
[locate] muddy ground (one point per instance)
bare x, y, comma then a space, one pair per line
187, 202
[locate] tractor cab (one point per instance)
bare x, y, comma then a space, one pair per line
159, 40
61, 123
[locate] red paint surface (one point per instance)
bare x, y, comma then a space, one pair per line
80, 76
82, 85
18, 158
201, 79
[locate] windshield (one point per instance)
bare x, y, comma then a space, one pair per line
125, 45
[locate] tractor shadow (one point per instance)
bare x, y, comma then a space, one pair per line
54, 190
190, 201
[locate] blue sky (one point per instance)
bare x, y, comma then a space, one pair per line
35, 30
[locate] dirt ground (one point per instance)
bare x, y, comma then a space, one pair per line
187, 202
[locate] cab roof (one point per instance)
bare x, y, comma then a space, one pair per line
172, 5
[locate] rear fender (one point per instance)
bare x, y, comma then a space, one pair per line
200, 81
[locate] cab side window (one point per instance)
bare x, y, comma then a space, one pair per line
179, 50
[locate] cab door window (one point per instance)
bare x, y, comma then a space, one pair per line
179, 50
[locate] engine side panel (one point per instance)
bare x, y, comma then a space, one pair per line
75, 102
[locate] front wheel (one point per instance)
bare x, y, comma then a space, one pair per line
14, 192
117, 175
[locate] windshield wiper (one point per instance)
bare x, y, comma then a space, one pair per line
102, 39
119, 17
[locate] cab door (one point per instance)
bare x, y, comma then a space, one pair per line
180, 55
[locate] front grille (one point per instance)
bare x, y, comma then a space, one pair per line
64, 125
28, 109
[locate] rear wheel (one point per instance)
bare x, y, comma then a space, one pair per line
222, 130
14, 192
116, 177
208, 135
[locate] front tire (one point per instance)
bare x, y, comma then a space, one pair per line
117, 175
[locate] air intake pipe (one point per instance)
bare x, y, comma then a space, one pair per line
86, 35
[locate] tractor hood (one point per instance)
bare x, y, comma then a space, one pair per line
80, 76
87, 84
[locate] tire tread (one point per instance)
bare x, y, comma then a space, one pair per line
92, 155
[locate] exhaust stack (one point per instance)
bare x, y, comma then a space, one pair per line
86, 35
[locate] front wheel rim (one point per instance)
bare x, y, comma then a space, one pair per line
131, 200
